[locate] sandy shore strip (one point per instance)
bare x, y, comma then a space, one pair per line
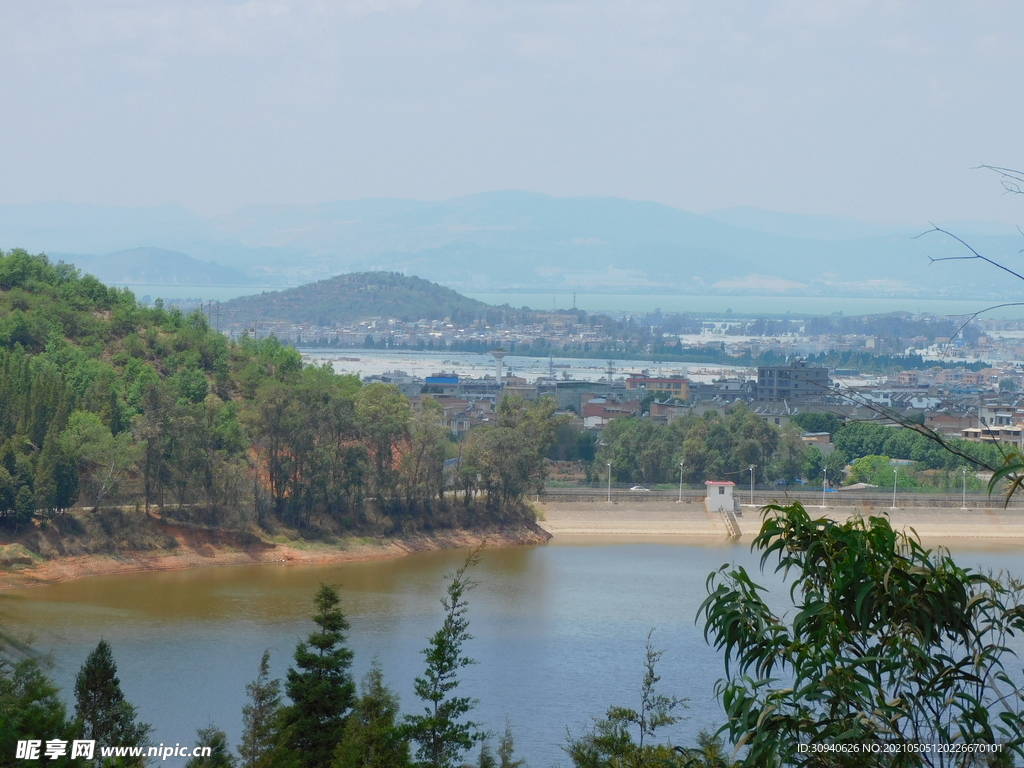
188, 555
670, 522
582, 523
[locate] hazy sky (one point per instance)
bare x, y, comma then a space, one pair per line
876, 110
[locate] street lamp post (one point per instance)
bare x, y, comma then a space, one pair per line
680, 483
895, 474
609, 482
824, 483
964, 503
752, 466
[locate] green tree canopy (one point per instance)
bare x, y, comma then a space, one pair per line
817, 422
101, 708
220, 752
373, 737
30, 708
259, 717
319, 686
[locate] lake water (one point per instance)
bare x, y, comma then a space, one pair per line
560, 632
818, 306
648, 302
368, 362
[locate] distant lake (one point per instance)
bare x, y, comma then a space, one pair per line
594, 302
559, 632
767, 305
368, 362
195, 292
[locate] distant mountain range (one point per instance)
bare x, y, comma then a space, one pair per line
521, 241
155, 266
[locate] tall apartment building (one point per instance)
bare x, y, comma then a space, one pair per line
798, 381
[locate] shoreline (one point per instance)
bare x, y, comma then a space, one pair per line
689, 523
60, 569
561, 523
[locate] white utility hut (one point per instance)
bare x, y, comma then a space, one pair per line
720, 496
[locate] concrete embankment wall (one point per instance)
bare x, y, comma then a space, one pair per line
652, 519
833, 499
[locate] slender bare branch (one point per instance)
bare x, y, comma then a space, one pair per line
1011, 179
968, 247
928, 432
979, 312
1013, 182
975, 255
898, 418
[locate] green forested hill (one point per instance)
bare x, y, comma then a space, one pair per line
108, 404
358, 296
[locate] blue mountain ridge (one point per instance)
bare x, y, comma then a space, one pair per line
513, 240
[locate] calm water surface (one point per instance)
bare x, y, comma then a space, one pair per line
746, 305
559, 632
645, 302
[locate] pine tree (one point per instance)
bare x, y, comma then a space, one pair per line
441, 733
30, 708
372, 737
259, 716
24, 506
56, 477
486, 759
611, 742
220, 754
101, 708
320, 687
507, 748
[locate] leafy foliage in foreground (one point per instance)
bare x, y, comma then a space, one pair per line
220, 755
372, 738
889, 643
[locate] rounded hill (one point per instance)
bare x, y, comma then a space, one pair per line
357, 296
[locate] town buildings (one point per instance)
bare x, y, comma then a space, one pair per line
678, 388
969, 400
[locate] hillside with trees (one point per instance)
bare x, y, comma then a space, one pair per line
358, 296
112, 414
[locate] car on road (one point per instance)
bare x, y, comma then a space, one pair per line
640, 488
